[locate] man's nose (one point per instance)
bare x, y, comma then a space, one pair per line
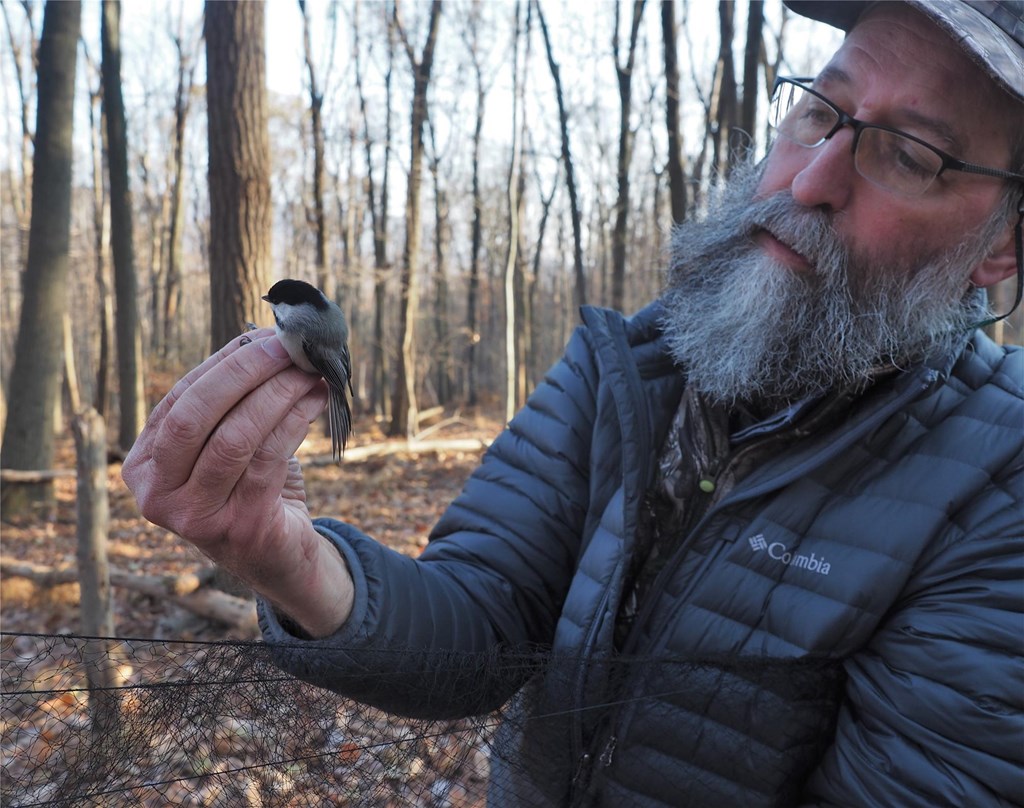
828, 173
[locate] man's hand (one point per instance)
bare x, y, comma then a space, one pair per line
215, 464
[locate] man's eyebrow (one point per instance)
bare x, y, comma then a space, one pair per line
833, 75
939, 128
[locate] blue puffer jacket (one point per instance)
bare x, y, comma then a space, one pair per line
844, 627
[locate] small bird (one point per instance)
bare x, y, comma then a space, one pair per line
313, 330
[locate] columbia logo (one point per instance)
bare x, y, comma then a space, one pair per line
778, 551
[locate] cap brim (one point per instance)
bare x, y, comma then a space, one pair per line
989, 46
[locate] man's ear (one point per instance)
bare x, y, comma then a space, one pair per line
1000, 264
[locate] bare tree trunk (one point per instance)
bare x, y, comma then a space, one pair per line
129, 334
521, 282
624, 74
442, 381
751, 62
156, 207
726, 141
709, 103
239, 173
324, 279
173, 280
380, 402
513, 227
71, 387
352, 214
93, 523
521, 286
676, 169
476, 235
22, 199
570, 179
35, 377
94, 572
772, 70
403, 406
101, 245
537, 255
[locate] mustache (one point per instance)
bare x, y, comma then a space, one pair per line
736, 217
808, 231
745, 327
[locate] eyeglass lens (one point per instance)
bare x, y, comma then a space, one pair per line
886, 158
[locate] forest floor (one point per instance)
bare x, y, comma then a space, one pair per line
198, 715
395, 497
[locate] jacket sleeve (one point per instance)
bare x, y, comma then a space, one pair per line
934, 713
490, 583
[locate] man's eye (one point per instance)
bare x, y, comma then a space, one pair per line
911, 158
909, 164
814, 113
809, 120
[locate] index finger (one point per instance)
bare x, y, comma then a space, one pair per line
186, 381
191, 412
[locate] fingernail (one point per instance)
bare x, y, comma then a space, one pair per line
273, 346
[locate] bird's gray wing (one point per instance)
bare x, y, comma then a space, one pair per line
337, 372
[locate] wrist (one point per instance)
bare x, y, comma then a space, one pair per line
319, 599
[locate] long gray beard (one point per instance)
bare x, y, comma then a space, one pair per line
746, 328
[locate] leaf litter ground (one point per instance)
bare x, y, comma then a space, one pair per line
233, 730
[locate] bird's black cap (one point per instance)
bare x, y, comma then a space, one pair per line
295, 292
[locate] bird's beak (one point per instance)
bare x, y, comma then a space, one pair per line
265, 298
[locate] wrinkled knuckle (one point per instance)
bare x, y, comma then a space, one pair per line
227, 449
154, 508
263, 454
131, 475
242, 374
140, 483
183, 425
290, 384
178, 390
294, 418
185, 512
310, 405
269, 460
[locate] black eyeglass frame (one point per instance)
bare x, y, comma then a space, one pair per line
949, 162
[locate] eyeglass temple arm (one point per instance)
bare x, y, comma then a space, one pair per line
1018, 241
972, 168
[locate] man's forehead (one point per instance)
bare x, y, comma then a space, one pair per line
908, 73
989, 32
940, 126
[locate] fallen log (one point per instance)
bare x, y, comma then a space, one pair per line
356, 454
34, 476
185, 589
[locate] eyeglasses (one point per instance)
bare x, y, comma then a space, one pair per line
887, 157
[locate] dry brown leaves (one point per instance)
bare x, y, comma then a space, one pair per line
395, 498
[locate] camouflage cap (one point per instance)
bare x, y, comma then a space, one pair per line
991, 32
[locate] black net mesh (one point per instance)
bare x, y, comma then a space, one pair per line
187, 723
117, 722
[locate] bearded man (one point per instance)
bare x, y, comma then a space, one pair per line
766, 532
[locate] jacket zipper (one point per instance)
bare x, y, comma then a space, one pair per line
585, 758
661, 580
632, 404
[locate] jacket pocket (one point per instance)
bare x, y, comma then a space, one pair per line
728, 731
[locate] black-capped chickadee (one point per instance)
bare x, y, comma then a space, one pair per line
314, 331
